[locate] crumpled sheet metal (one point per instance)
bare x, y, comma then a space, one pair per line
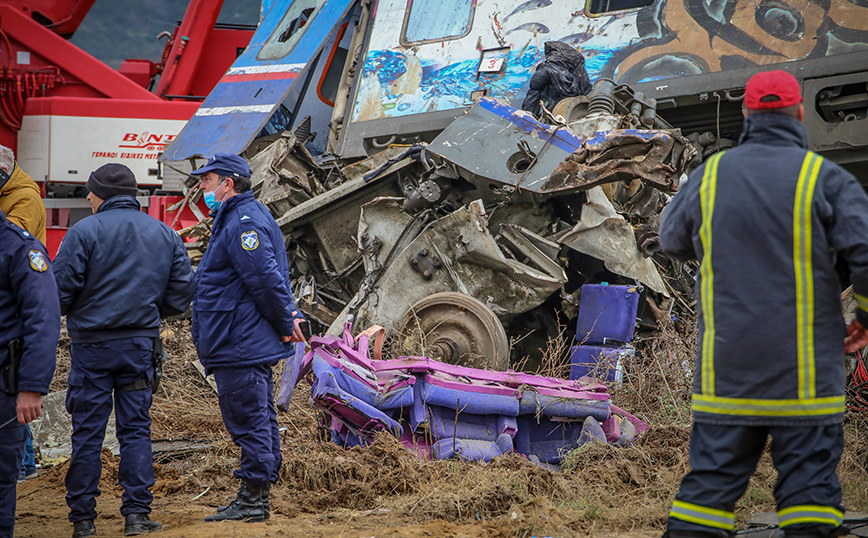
439, 411
280, 175
488, 143
470, 260
486, 140
604, 234
658, 158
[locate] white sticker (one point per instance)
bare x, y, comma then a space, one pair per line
491, 65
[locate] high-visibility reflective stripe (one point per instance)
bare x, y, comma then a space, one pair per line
710, 517
804, 273
830, 405
861, 301
707, 192
808, 513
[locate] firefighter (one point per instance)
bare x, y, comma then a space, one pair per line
118, 272
244, 322
769, 221
20, 199
29, 329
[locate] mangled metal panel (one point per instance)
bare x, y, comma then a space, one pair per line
654, 157
455, 253
500, 143
604, 234
290, 35
507, 145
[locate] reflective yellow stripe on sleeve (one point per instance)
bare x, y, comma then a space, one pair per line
701, 515
707, 193
807, 513
804, 273
861, 301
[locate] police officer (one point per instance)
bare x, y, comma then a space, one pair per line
118, 272
29, 329
244, 322
768, 222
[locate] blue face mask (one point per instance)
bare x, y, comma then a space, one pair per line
210, 200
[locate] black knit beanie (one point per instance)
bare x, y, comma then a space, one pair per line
112, 179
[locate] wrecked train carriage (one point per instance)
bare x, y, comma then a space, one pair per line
351, 78
343, 88
493, 210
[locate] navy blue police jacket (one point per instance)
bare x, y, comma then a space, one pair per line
119, 272
243, 302
29, 308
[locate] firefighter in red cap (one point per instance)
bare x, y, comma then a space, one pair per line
769, 222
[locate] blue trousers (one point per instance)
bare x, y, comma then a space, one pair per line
11, 451
28, 464
99, 372
246, 398
723, 458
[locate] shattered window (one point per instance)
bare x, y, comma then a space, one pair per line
437, 20
605, 6
297, 19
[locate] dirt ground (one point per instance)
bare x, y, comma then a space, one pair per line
384, 491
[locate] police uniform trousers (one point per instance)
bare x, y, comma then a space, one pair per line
100, 371
246, 397
12, 437
723, 458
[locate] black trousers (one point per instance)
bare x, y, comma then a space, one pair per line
723, 458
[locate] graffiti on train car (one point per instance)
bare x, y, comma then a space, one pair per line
695, 37
438, 67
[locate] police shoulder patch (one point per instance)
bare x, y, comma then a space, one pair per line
37, 261
249, 240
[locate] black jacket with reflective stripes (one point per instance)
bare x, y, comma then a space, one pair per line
768, 220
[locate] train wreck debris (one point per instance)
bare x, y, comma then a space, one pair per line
440, 411
501, 218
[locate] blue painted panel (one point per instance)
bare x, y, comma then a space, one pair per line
240, 105
252, 93
229, 133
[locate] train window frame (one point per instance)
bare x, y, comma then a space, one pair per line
277, 45
589, 3
405, 25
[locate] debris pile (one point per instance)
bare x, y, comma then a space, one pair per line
440, 411
483, 236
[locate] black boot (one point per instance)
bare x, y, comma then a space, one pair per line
80, 529
265, 504
140, 524
247, 506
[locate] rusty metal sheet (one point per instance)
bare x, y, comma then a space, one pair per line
500, 143
657, 158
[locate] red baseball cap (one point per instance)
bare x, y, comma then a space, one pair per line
772, 89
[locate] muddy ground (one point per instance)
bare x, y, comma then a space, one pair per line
384, 491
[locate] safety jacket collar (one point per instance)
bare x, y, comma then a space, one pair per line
232, 203
119, 202
774, 130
